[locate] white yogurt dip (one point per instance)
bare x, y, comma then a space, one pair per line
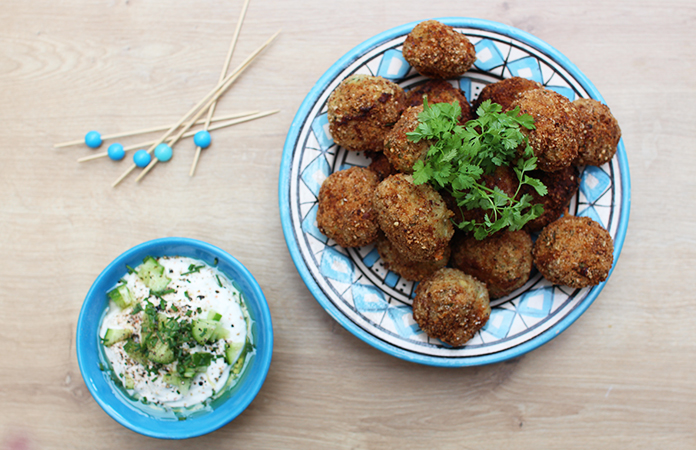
196, 291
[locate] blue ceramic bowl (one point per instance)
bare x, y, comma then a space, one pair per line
226, 407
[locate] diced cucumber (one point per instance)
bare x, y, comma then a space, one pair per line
128, 382
232, 352
114, 335
203, 330
122, 296
214, 316
152, 274
181, 384
238, 365
160, 353
221, 332
135, 352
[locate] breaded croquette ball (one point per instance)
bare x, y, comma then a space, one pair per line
503, 92
600, 135
345, 213
362, 109
557, 127
410, 270
438, 51
451, 306
440, 91
562, 186
574, 251
414, 218
502, 261
401, 152
380, 165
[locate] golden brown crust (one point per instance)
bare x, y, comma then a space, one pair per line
504, 92
345, 212
440, 91
380, 165
414, 218
600, 135
562, 186
399, 150
438, 51
362, 109
451, 306
557, 127
574, 251
410, 270
502, 261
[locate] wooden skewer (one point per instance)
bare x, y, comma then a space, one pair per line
230, 80
216, 92
151, 130
225, 68
189, 134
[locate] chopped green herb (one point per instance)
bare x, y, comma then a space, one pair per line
192, 268
460, 155
218, 280
186, 294
130, 269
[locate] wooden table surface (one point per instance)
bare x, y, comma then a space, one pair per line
622, 376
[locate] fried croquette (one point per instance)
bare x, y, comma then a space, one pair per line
440, 91
451, 306
504, 92
362, 109
502, 261
380, 165
438, 51
600, 135
414, 218
410, 270
399, 150
574, 251
557, 127
345, 212
562, 186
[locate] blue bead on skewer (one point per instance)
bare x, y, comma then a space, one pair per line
163, 152
116, 151
93, 139
141, 158
202, 139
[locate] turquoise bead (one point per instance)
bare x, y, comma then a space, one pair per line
202, 139
116, 151
163, 152
141, 158
93, 139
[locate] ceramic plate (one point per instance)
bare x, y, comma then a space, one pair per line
352, 284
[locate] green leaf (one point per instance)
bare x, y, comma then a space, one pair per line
459, 155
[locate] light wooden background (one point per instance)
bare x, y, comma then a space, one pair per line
622, 376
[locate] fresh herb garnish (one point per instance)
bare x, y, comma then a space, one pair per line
218, 280
192, 268
460, 155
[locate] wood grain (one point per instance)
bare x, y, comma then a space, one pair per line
620, 377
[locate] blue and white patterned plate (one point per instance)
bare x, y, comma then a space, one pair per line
352, 285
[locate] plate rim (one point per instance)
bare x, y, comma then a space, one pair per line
293, 247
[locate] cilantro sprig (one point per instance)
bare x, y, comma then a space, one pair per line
460, 155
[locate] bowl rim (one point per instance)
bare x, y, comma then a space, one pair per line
293, 247
102, 391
